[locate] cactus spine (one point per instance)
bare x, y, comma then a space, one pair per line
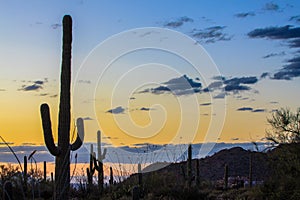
226, 177
62, 150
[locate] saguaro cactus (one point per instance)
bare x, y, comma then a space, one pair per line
62, 150
97, 164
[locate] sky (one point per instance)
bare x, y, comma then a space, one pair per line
158, 72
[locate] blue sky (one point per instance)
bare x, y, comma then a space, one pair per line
245, 39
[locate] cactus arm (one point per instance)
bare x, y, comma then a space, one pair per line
48, 137
80, 135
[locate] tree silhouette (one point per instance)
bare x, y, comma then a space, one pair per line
285, 126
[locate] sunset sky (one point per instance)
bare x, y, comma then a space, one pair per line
247, 64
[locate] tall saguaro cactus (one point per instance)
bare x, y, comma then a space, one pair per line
63, 148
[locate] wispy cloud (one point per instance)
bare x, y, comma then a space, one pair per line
87, 119
211, 34
56, 26
274, 54
259, 110
244, 14
178, 22
84, 81
295, 18
271, 7
117, 110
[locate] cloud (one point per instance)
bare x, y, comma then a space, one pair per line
281, 32
264, 75
205, 104
220, 96
274, 102
295, 18
132, 98
238, 84
289, 71
178, 86
145, 109
271, 7
274, 54
245, 109
53, 96
87, 118
286, 33
117, 110
259, 110
211, 34
33, 87
2, 90
235, 139
244, 14
84, 81
179, 22
56, 26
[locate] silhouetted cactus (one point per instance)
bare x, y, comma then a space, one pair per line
197, 172
250, 171
140, 175
111, 179
226, 177
189, 166
25, 174
99, 163
45, 171
62, 150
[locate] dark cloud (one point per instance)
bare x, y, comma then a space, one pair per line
2, 90
289, 71
274, 54
244, 14
145, 109
178, 86
179, 22
264, 75
87, 118
235, 139
117, 110
294, 43
245, 109
132, 98
33, 87
238, 84
295, 18
43, 94
282, 32
271, 7
211, 34
286, 33
259, 110
205, 104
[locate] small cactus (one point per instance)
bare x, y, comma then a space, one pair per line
226, 177
63, 148
111, 179
250, 171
